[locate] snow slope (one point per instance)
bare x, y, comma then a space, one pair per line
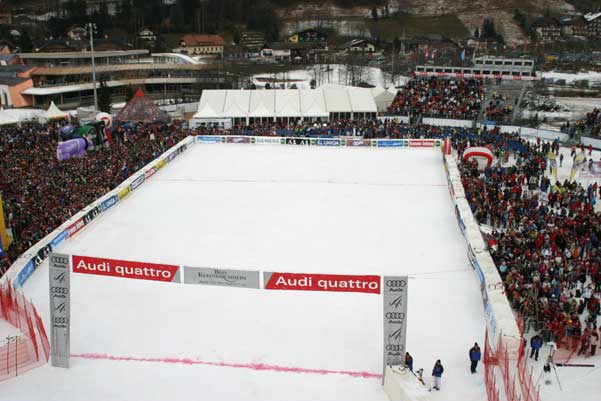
284, 208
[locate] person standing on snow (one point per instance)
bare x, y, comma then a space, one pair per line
437, 373
475, 356
536, 343
409, 361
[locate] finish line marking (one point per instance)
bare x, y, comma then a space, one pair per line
250, 366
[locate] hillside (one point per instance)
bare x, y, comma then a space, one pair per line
350, 20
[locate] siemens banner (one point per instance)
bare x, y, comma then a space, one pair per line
395, 320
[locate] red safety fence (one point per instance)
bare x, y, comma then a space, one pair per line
523, 389
492, 391
20, 352
567, 346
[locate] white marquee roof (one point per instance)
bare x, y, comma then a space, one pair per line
285, 102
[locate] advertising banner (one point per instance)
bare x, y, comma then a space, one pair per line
395, 319
358, 142
208, 139
60, 309
150, 172
321, 282
109, 203
267, 140
298, 141
59, 239
460, 221
160, 164
75, 227
125, 269
137, 182
92, 214
421, 143
327, 142
123, 193
221, 277
475, 265
390, 143
25, 273
237, 139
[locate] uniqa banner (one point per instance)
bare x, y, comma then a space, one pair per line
395, 320
60, 309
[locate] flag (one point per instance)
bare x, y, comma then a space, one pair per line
427, 52
463, 55
578, 162
553, 164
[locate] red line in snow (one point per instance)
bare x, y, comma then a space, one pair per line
251, 366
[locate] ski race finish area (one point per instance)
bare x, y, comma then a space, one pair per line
244, 271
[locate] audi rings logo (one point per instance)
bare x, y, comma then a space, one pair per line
59, 259
395, 347
59, 290
396, 283
395, 315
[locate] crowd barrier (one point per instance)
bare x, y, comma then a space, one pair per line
500, 319
448, 122
330, 142
28, 349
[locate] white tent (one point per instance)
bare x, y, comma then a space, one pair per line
332, 101
384, 98
54, 113
7, 117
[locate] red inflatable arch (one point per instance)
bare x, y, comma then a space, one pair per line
482, 156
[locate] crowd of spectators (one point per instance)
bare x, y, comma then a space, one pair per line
545, 235
545, 239
40, 193
499, 108
440, 97
593, 121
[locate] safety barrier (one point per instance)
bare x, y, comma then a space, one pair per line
490, 381
28, 349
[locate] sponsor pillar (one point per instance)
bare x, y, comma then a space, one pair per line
60, 309
395, 320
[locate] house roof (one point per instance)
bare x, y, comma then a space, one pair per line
202, 40
308, 30
356, 42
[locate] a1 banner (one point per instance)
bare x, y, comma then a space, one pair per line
321, 282
60, 309
395, 320
221, 277
125, 269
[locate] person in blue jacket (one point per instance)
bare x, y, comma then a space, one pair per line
475, 356
536, 343
437, 373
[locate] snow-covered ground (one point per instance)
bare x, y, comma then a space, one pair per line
337, 74
294, 209
575, 108
592, 76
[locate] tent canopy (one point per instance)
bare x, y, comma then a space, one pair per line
142, 109
54, 113
294, 103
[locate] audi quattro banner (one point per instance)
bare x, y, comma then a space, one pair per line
221, 277
321, 282
125, 269
395, 320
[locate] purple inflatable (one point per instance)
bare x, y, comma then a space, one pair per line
72, 148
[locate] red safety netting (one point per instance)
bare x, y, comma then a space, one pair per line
20, 352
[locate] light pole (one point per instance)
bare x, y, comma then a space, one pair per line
92, 27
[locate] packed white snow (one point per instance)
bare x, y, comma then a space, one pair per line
282, 208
